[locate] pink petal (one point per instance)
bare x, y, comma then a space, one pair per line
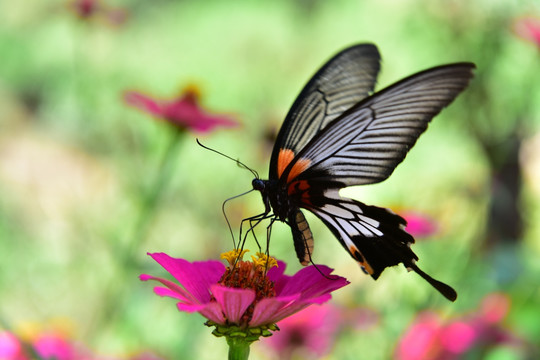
173, 290
296, 292
266, 309
143, 102
297, 306
311, 283
211, 311
234, 302
214, 312
277, 275
186, 113
196, 277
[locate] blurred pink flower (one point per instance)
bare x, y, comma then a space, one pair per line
46, 346
431, 338
419, 225
183, 112
421, 339
85, 8
10, 347
55, 346
494, 308
89, 9
528, 28
311, 331
245, 294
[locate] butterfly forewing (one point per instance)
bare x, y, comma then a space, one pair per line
343, 81
367, 142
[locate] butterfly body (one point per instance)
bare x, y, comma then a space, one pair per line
339, 134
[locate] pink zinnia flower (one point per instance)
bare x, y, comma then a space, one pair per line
183, 112
244, 295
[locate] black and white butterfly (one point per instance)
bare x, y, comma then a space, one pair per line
338, 134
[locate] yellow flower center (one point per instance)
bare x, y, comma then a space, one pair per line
249, 275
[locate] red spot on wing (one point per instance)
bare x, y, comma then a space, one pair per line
300, 187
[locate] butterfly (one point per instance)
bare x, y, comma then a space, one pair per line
338, 133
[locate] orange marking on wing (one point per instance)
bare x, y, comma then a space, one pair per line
361, 260
284, 159
298, 168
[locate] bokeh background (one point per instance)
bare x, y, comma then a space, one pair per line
78, 165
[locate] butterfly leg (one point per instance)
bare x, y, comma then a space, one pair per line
268, 234
253, 222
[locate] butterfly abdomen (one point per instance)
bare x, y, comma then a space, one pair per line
302, 237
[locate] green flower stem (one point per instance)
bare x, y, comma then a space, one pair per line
126, 254
240, 338
151, 200
238, 348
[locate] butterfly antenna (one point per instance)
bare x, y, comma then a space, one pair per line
238, 162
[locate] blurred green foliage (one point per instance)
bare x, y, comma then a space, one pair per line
76, 162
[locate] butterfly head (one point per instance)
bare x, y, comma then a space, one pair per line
258, 184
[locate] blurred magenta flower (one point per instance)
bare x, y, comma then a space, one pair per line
48, 345
10, 347
245, 299
183, 112
419, 225
55, 346
90, 9
85, 8
430, 337
308, 333
312, 332
528, 28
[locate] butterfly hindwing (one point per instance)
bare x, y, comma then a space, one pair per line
375, 237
